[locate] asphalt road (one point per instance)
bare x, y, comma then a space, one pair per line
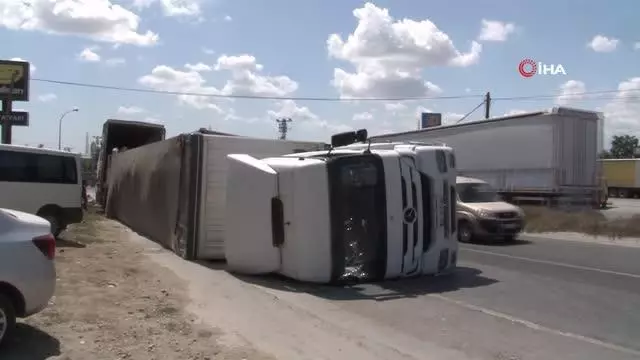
538, 299
622, 208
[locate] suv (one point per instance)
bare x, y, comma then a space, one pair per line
483, 214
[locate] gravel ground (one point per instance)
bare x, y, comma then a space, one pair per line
112, 302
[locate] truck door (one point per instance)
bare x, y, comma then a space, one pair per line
412, 219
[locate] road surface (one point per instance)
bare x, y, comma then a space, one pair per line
538, 299
622, 208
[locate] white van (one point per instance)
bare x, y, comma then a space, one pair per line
44, 182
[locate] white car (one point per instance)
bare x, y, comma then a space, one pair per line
27, 270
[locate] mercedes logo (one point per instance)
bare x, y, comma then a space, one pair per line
409, 215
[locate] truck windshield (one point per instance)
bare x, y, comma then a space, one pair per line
476, 193
358, 217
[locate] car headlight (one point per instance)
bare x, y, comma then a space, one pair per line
484, 213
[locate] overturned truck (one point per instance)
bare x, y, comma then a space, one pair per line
174, 191
122, 135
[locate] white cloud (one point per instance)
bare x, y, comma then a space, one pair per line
47, 97
636, 46
208, 51
623, 112
246, 79
228, 18
166, 78
115, 61
130, 110
571, 90
514, 112
601, 43
395, 107
89, 55
151, 119
304, 119
451, 118
495, 30
173, 7
363, 116
389, 55
32, 67
289, 109
100, 20
198, 67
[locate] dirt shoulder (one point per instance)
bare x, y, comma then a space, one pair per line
112, 302
540, 219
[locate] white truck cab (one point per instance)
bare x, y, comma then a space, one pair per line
353, 213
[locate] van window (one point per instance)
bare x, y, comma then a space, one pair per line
18, 166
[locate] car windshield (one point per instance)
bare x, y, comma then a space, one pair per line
476, 193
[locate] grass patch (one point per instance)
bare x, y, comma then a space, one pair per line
588, 221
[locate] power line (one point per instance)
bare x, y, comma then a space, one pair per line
331, 99
471, 112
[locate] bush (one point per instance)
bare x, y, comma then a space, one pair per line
587, 221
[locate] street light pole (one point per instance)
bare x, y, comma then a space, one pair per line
75, 109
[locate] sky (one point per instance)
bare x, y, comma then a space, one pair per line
329, 65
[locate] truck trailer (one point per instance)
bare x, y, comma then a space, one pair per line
622, 177
122, 135
174, 191
547, 156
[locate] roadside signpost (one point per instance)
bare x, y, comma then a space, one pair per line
14, 86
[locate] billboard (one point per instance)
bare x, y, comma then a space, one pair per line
18, 72
428, 120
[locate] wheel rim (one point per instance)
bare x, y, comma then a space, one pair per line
465, 233
3, 323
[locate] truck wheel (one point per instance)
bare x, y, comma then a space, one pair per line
465, 231
7, 318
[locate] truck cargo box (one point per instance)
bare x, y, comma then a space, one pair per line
622, 177
121, 135
548, 153
174, 191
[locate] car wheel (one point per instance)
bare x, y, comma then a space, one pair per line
7, 318
55, 224
465, 232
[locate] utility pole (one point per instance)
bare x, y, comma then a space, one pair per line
487, 105
283, 127
7, 110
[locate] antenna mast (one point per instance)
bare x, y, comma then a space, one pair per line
283, 127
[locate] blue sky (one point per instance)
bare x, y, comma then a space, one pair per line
285, 48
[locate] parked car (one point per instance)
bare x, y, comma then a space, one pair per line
482, 214
27, 271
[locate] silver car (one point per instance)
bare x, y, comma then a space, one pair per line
27, 271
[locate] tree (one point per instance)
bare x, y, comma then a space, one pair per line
624, 146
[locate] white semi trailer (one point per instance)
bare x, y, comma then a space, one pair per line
547, 155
